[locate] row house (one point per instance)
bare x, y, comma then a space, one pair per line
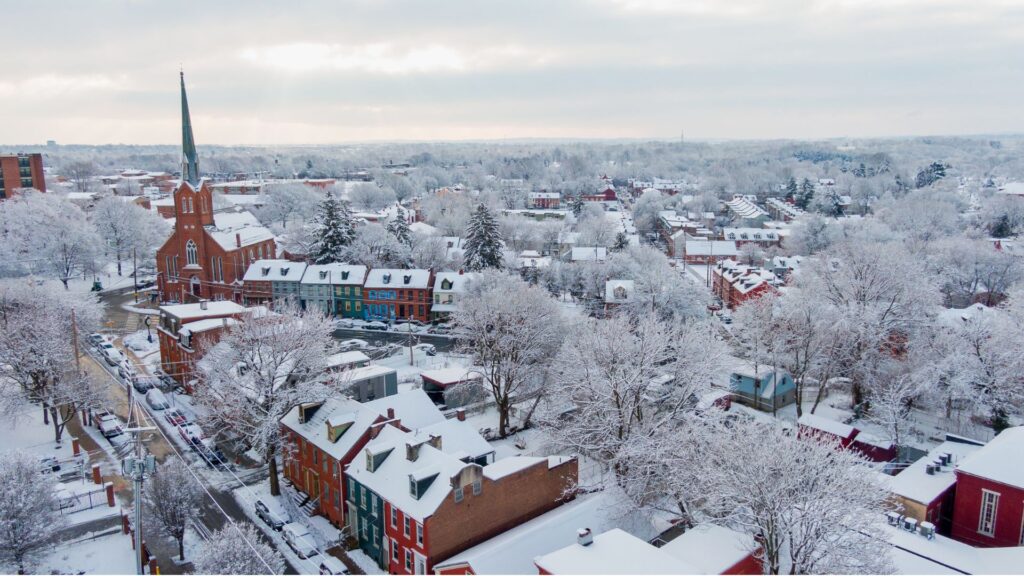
782, 210
784, 266
604, 193
273, 281
737, 283
416, 499
544, 200
334, 289
989, 506
391, 294
449, 288
763, 237
706, 251
187, 331
744, 211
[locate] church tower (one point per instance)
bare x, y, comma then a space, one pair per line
193, 202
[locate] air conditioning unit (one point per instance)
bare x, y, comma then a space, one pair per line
927, 530
894, 518
910, 524
930, 469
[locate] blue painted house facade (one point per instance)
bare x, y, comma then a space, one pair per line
766, 390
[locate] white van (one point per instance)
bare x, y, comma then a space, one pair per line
157, 400
299, 539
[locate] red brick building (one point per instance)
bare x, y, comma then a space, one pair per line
874, 449
18, 171
208, 253
187, 331
545, 200
391, 294
737, 283
606, 193
989, 506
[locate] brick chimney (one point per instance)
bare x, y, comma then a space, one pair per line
391, 413
460, 414
238, 240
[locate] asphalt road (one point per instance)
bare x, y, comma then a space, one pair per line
442, 343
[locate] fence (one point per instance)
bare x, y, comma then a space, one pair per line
69, 503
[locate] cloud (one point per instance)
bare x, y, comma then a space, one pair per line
55, 86
385, 58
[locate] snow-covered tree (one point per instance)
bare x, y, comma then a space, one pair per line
812, 507
370, 196
374, 247
36, 347
483, 241
621, 383
173, 498
28, 510
80, 173
428, 252
974, 268
658, 287
283, 202
399, 228
125, 227
49, 235
335, 230
809, 346
512, 330
263, 367
237, 549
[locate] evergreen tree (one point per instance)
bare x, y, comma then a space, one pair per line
334, 230
483, 241
399, 228
577, 205
803, 199
621, 242
791, 189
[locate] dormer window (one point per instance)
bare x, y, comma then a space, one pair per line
284, 271
407, 278
323, 274
451, 244
344, 274
387, 278
446, 284
265, 270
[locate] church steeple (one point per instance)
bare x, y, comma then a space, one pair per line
189, 157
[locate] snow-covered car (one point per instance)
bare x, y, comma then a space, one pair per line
190, 433
212, 455
111, 354
120, 440
110, 425
299, 539
440, 329
331, 565
375, 326
353, 344
272, 513
344, 323
175, 417
126, 370
144, 384
156, 400
405, 327
427, 349
96, 339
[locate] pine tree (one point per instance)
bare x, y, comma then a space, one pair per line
621, 242
577, 205
803, 200
399, 228
483, 241
334, 230
791, 189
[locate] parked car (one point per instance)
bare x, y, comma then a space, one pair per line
156, 400
375, 326
427, 349
213, 456
344, 323
96, 339
272, 513
119, 440
146, 281
299, 539
126, 370
440, 329
331, 565
49, 464
175, 417
111, 354
190, 433
353, 344
166, 382
145, 383
110, 425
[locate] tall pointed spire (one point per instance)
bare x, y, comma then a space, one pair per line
189, 157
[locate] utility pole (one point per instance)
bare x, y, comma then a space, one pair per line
74, 341
135, 276
138, 468
411, 361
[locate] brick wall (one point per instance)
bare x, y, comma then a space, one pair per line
1009, 513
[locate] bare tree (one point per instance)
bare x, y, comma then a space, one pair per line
511, 329
80, 173
263, 367
173, 498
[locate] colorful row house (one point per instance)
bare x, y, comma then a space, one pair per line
391, 294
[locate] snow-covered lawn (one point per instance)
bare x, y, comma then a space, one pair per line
365, 562
25, 430
104, 553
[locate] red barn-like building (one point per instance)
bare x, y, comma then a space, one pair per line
989, 506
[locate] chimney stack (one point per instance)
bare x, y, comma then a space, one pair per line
391, 413
238, 240
412, 452
584, 537
460, 414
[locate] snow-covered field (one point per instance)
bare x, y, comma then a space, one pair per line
109, 552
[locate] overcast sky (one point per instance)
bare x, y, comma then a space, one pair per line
331, 71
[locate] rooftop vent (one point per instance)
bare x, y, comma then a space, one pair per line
584, 537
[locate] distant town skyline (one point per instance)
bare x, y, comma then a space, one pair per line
325, 72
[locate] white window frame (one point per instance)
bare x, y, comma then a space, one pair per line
191, 253
405, 529
394, 517
988, 497
419, 534
408, 560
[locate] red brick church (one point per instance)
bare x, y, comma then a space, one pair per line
209, 252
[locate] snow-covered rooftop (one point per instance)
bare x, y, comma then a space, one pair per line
916, 484
335, 274
1001, 460
231, 228
588, 254
618, 291
613, 552
397, 278
451, 375
338, 411
206, 325
823, 424
198, 310
451, 281
275, 271
711, 549
699, 247
414, 407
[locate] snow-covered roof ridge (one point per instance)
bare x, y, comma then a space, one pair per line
335, 273
237, 227
275, 270
1001, 460
397, 278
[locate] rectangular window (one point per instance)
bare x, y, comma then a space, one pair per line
408, 561
989, 506
362, 498
373, 506
376, 536
337, 499
372, 295
458, 494
359, 306
394, 517
419, 535
348, 306
394, 550
406, 527
352, 489
316, 457
477, 486
364, 533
